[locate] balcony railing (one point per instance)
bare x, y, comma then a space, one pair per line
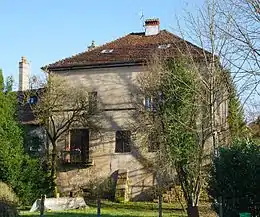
75, 157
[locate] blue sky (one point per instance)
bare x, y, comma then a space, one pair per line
48, 30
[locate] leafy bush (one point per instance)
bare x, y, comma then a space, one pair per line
8, 201
7, 210
235, 176
26, 175
33, 182
7, 194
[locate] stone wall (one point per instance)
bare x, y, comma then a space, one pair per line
114, 87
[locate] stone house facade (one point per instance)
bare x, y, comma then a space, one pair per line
109, 73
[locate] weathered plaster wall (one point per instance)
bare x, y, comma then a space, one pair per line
114, 87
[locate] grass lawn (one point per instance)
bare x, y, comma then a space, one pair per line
133, 209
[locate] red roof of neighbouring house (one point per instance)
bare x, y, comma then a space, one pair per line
134, 48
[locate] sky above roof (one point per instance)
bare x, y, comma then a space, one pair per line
46, 31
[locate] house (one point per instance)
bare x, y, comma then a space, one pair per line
254, 128
109, 71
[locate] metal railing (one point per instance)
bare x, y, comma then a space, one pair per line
74, 156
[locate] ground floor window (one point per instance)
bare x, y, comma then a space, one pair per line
77, 150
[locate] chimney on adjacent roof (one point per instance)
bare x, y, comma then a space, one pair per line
23, 74
152, 26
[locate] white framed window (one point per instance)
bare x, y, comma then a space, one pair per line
164, 46
107, 51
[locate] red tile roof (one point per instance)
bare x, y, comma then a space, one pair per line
132, 48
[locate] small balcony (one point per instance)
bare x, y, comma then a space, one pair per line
76, 157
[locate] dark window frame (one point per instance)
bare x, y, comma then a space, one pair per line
77, 153
123, 141
33, 100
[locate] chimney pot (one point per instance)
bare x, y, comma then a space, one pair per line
152, 27
24, 69
23, 59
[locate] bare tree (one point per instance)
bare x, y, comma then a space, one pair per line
174, 110
214, 77
229, 29
229, 43
58, 107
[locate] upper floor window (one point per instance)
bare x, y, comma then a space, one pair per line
33, 100
151, 103
148, 103
123, 141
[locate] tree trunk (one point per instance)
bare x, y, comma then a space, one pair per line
220, 207
98, 207
53, 169
160, 204
42, 205
193, 211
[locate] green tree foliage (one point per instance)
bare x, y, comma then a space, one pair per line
235, 176
178, 115
11, 137
236, 121
17, 169
183, 121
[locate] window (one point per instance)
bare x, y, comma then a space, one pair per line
78, 149
123, 141
33, 100
152, 103
164, 46
107, 51
92, 99
148, 103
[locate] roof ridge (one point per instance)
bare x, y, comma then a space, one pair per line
112, 41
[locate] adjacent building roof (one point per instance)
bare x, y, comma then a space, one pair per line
134, 48
24, 110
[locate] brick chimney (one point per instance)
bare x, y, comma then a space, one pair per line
23, 74
152, 27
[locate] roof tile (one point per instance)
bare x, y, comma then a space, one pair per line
134, 47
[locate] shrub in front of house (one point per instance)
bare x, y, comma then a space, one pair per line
28, 180
34, 181
235, 179
8, 201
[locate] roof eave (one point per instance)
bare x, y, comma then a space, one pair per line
94, 66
